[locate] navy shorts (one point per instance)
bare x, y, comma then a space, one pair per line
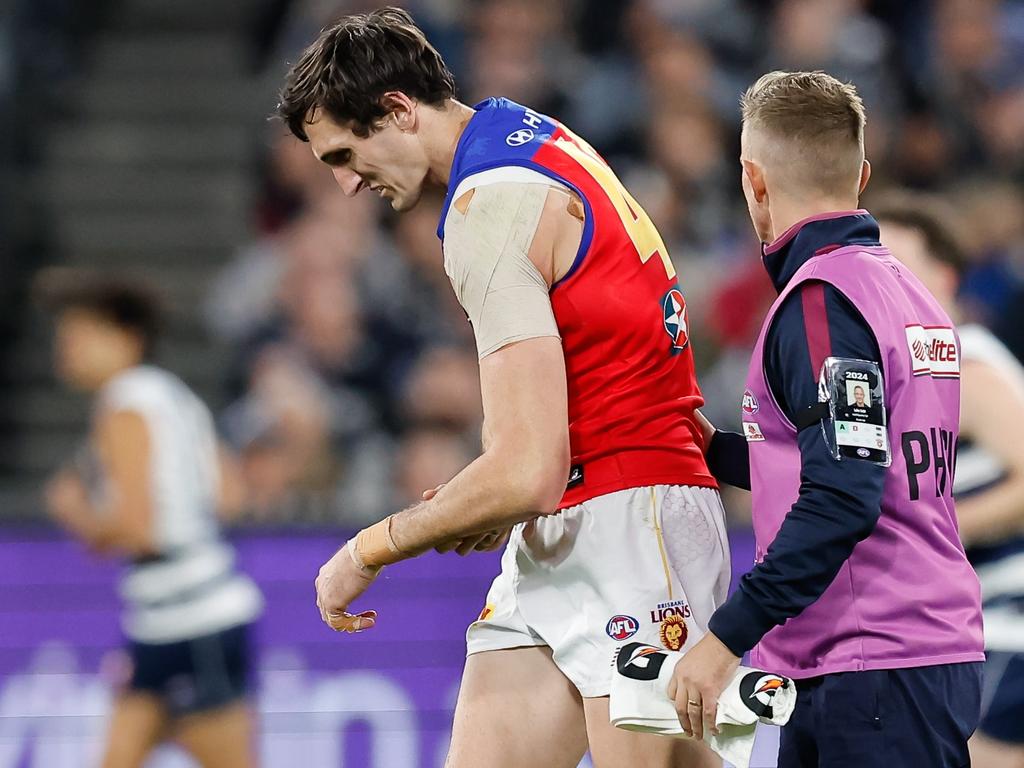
920, 717
194, 675
1002, 704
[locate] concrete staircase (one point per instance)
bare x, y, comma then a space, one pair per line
151, 173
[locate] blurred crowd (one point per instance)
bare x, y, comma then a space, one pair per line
354, 387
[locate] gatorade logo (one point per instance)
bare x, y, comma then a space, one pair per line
639, 661
757, 691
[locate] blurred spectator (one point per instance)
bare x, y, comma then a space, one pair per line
406, 284
283, 431
427, 456
444, 388
517, 49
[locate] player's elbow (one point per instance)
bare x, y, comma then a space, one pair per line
543, 495
540, 480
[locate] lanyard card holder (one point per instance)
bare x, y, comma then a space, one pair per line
855, 423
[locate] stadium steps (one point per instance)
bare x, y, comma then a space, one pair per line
148, 145
183, 16
133, 97
91, 231
161, 54
132, 188
148, 170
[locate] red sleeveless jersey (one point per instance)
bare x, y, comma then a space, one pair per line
620, 311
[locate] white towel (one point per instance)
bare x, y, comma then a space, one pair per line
639, 701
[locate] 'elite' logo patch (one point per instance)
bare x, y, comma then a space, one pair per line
752, 431
933, 351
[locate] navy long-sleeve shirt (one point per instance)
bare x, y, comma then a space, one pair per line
839, 502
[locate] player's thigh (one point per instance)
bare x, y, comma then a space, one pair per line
516, 710
137, 724
612, 747
989, 753
218, 738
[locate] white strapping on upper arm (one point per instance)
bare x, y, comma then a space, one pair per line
486, 256
512, 174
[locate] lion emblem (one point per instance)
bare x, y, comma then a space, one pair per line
673, 632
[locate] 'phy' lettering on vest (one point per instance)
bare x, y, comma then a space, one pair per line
937, 453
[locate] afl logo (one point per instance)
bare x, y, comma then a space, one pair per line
520, 137
749, 404
622, 627
673, 310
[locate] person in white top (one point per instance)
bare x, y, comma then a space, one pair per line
989, 480
148, 486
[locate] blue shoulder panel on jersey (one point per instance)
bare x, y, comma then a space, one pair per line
500, 133
503, 133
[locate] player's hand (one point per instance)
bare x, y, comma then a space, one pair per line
340, 581
697, 682
482, 542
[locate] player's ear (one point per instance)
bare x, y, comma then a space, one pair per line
754, 176
865, 176
401, 109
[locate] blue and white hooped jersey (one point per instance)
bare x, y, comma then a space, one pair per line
191, 587
1000, 566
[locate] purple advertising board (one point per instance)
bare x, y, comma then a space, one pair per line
381, 698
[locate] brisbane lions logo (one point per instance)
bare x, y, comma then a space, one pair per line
673, 311
673, 632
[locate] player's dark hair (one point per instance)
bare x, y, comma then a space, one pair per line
934, 219
130, 305
354, 62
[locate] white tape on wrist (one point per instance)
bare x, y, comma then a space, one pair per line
353, 551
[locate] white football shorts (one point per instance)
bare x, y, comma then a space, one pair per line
644, 564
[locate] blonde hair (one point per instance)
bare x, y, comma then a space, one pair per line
814, 127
